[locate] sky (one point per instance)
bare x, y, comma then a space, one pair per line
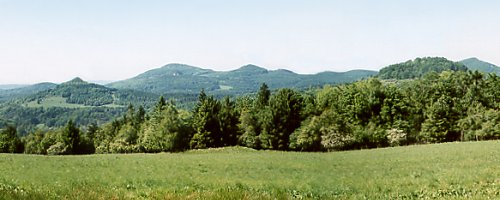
57, 40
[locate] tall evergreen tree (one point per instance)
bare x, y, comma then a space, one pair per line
161, 104
206, 123
71, 137
228, 119
263, 96
284, 117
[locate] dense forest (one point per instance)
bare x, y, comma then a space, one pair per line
439, 107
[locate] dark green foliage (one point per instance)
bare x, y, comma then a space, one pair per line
161, 104
249, 128
71, 138
263, 96
206, 124
9, 141
419, 67
228, 120
284, 117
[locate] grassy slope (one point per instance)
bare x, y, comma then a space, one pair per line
449, 171
57, 101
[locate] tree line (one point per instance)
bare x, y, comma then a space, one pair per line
372, 113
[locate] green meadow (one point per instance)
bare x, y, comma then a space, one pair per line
56, 101
468, 170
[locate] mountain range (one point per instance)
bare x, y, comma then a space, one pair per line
180, 78
175, 80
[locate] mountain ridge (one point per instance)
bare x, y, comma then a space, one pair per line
182, 78
482, 66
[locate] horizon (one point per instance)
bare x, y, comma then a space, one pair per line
104, 82
55, 41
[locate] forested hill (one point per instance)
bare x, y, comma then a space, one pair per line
84, 102
179, 78
475, 64
83, 93
419, 67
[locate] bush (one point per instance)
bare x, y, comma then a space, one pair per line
57, 149
396, 136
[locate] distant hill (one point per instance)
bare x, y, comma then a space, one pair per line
173, 78
185, 79
78, 100
475, 64
78, 93
6, 95
419, 67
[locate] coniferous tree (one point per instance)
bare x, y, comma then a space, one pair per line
71, 138
161, 103
263, 96
228, 119
206, 123
284, 117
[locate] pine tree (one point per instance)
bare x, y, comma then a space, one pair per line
71, 137
228, 119
206, 123
263, 96
284, 117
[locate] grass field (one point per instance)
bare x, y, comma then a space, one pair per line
57, 101
439, 171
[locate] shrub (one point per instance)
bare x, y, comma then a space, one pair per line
57, 149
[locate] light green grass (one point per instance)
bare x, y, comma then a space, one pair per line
54, 101
442, 171
58, 101
225, 87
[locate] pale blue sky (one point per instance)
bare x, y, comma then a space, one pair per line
55, 40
